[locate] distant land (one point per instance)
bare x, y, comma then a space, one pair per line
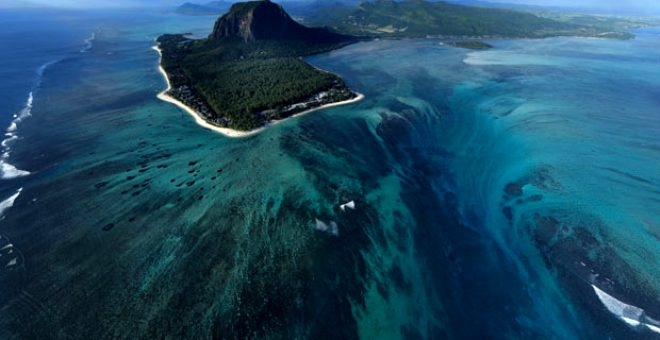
248, 72
209, 8
299, 9
475, 19
419, 19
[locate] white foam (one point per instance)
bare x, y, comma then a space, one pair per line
42, 69
13, 262
350, 205
89, 43
5, 143
9, 202
331, 228
617, 307
632, 315
631, 322
9, 171
9, 245
28, 105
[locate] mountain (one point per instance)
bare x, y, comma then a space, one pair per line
209, 8
249, 71
265, 20
420, 18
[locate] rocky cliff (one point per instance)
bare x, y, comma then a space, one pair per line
265, 20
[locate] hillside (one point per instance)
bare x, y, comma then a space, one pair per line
248, 72
265, 20
420, 18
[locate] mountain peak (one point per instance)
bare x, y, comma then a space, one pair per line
265, 20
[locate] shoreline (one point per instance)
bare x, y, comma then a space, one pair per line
227, 132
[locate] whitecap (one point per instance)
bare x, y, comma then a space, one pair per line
7, 141
350, 205
26, 111
631, 315
8, 171
9, 202
332, 228
13, 262
41, 70
89, 43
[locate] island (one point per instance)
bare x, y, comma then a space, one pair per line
249, 72
209, 8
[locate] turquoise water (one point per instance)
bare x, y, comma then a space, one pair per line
492, 189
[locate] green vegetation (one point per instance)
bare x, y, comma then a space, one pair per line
470, 44
244, 85
420, 18
249, 70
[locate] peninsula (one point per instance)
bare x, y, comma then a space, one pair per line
249, 72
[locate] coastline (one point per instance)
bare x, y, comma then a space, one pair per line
227, 132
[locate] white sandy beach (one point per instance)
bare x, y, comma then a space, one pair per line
226, 131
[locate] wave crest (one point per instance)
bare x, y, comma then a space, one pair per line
9, 202
7, 170
632, 315
89, 43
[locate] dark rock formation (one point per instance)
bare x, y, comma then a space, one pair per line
265, 20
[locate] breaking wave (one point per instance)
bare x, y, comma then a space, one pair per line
632, 315
9, 202
8, 170
89, 43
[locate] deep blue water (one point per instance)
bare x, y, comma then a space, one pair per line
509, 193
30, 40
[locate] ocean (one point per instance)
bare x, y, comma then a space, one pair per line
506, 193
